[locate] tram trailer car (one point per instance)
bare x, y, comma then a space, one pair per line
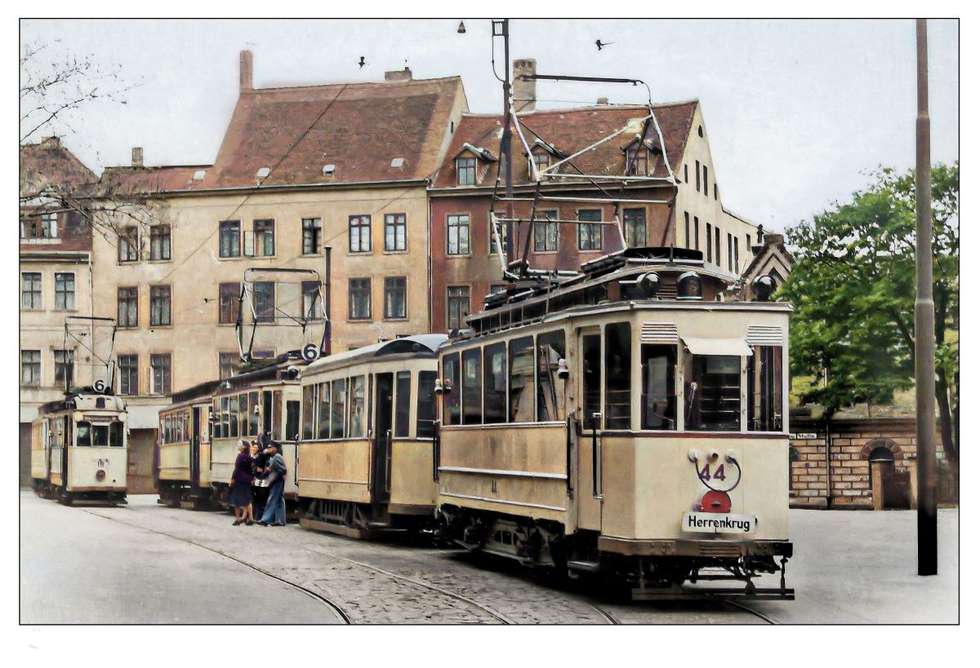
624, 423
262, 400
366, 454
79, 448
183, 458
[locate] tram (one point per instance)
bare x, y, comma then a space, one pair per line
183, 459
79, 448
366, 452
624, 421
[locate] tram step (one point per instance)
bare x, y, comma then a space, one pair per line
584, 566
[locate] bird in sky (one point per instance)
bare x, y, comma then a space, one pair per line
599, 44
361, 63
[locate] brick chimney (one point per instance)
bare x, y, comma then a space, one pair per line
52, 142
602, 101
525, 91
245, 71
399, 75
137, 156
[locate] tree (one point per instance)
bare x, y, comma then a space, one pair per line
853, 292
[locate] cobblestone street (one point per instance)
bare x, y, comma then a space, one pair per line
186, 566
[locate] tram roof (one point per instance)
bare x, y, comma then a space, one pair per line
84, 399
262, 369
420, 345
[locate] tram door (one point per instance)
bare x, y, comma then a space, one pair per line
381, 446
196, 446
589, 438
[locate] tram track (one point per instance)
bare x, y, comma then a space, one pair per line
337, 610
752, 611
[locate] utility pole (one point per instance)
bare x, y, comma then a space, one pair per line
501, 28
925, 363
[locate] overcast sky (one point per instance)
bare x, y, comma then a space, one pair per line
797, 111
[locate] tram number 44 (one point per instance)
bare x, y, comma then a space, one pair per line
706, 475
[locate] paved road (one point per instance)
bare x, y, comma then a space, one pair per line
176, 556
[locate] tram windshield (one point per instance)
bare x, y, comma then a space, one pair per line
116, 433
83, 434
713, 398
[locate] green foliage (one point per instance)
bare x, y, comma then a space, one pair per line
853, 291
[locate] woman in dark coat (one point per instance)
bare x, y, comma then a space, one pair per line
241, 486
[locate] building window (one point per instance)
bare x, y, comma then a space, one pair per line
765, 391
30, 290
590, 233
395, 298
30, 367
697, 233
359, 299
160, 242
395, 230
659, 407
264, 300
735, 247
458, 234
716, 191
230, 238
127, 311
700, 131
160, 305
312, 305
312, 229
160, 373
685, 173
704, 170
457, 306
635, 227
41, 226
128, 374
636, 161
748, 243
730, 252
542, 160
64, 362
265, 237
697, 175
228, 304
503, 233
717, 245
227, 364
359, 234
546, 233
466, 171
128, 245
707, 229
687, 230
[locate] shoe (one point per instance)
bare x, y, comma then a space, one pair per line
249, 523
262, 524
236, 523
279, 524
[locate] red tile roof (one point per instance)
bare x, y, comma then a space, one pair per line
49, 164
571, 130
135, 180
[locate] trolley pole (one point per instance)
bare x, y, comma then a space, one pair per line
503, 26
326, 347
925, 363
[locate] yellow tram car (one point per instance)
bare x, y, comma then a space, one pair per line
183, 459
366, 454
624, 421
79, 448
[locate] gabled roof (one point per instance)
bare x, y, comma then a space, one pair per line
48, 164
570, 130
137, 180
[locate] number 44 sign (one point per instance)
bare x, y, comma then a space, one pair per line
706, 475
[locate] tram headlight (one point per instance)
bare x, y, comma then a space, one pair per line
100, 475
437, 388
562, 368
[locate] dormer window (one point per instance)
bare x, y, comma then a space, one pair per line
542, 159
636, 161
466, 171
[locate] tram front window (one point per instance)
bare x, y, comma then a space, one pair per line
83, 434
426, 410
618, 347
659, 409
116, 433
713, 395
765, 390
100, 435
472, 387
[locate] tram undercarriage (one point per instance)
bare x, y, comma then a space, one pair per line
360, 520
653, 570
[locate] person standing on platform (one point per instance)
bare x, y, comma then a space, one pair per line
275, 506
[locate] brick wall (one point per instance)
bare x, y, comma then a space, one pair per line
851, 444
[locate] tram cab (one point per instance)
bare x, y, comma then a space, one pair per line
625, 421
183, 459
79, 448
262, 400
366, 455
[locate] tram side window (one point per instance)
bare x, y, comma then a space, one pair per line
425, 412
225, 414
618, 356
659, 407
233, 417
83, 434
292, 420
243, 414
323, 419
451, 399
253, 415
100, 435
495, 383
522, 380
551, 404
275, 426
591, 378
765, 389
308, 412
712, 399
357, 411
403, 403
116, 433
472, 387
338, 407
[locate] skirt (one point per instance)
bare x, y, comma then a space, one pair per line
241, 494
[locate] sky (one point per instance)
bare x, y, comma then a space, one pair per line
798, 112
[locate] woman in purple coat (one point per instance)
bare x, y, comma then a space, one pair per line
241, 486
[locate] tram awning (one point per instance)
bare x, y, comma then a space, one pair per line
712, 346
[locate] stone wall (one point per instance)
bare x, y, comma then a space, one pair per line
851, 445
